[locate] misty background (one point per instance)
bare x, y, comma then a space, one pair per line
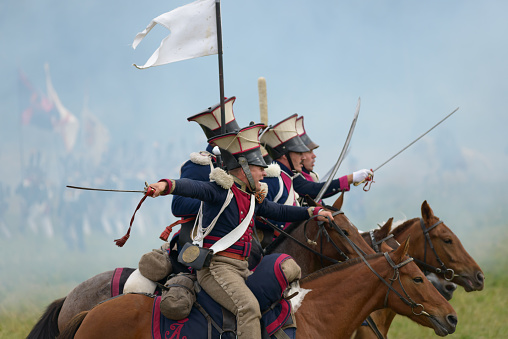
410, 62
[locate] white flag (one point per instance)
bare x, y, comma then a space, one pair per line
193, 33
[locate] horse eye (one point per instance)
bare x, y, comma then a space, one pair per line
448, 241
418, 280
345, 233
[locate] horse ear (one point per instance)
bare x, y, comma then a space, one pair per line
402, 251
427, 212
311, 202
386, 228
338, 203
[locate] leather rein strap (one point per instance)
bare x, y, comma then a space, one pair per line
448, 273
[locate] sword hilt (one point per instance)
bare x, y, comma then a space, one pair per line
366, 180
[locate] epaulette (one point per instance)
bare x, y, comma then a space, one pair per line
261, 194
201, 158
222, 178
273, 171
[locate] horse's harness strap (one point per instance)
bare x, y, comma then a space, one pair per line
437, 270
211, 322
376, 243
374, 327
296, 240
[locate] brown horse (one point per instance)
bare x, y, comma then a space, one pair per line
435, 248
98, 288
324, 239
338, 299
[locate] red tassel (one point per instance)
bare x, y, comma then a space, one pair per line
120, 242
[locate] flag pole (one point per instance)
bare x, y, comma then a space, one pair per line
221, 68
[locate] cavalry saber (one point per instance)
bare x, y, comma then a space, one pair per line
342, 154
103, 189
402, 150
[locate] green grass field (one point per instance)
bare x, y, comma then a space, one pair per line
481, 314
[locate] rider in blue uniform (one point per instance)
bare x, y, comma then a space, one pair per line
199, 166
285, 183
229, 203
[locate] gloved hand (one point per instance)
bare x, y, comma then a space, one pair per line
361, 175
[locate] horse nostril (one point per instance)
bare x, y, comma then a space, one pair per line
450, 287
480, 277
452, 320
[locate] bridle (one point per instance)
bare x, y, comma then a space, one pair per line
396, 277
376, 243
448, 273
322, 232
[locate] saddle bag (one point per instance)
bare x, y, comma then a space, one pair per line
194, 256
176, 302
156, 265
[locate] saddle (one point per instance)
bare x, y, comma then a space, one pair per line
208, 320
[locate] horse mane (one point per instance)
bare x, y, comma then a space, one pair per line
337, 267
402, 227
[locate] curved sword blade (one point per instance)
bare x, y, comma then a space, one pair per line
342, 154
102, 189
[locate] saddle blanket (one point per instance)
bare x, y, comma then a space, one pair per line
267, 283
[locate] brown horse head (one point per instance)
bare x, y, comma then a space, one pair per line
323, 238
380, 239
444, 251
429, 308
321, 241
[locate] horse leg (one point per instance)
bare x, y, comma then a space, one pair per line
85, 296
47, 326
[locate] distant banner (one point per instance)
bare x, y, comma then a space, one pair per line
68, 124
38, 110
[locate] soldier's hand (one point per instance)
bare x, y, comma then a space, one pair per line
323, 214
158, 188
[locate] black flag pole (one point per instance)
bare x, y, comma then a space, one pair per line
221, 68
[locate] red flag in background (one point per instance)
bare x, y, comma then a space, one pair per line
38, 109
67, 124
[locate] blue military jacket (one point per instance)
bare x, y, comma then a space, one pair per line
213, 196
184, 207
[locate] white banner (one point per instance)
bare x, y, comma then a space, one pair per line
193, 33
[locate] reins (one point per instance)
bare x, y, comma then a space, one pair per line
282, 232
448, 273
396, 276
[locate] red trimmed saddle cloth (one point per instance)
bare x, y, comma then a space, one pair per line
267, 283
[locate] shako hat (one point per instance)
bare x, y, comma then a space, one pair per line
300, 129
283, 138
241, 147
210, 119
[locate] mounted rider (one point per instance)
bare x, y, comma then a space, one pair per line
199, 166
229, 203
285, 181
